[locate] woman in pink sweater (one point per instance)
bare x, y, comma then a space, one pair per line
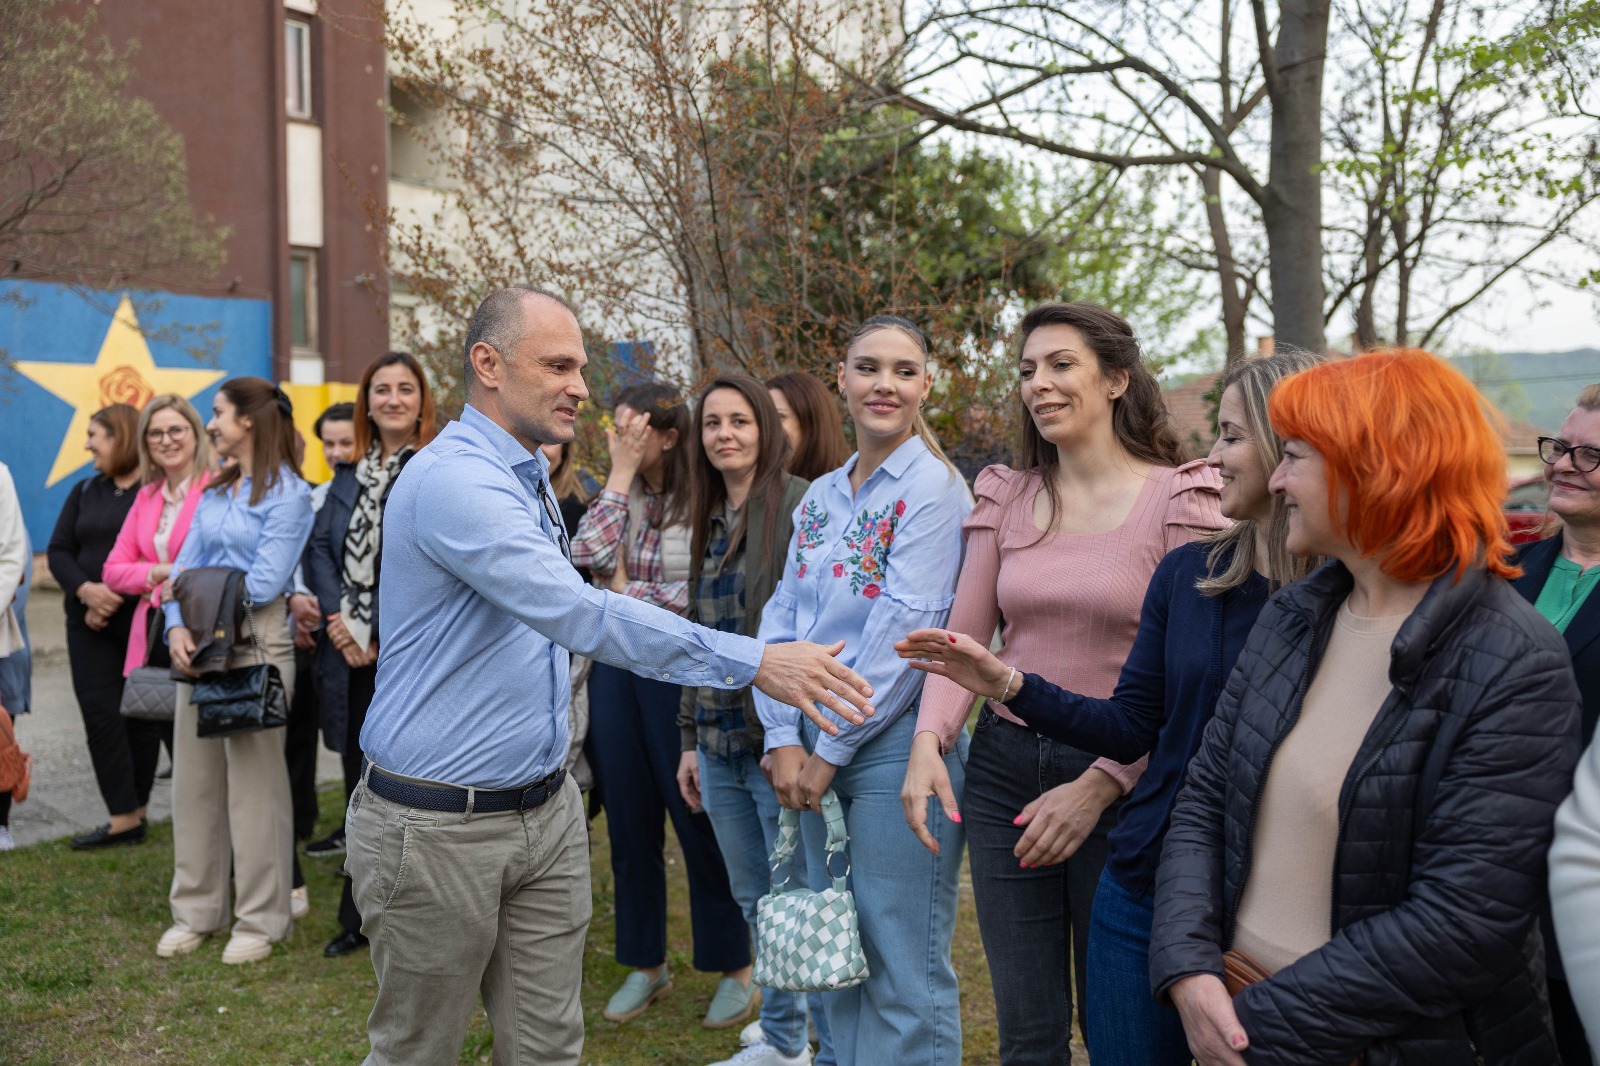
174, 464
1062, 551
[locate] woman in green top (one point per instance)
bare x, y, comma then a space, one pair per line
1559, 576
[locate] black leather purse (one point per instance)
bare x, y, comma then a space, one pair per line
149, 693
245, 699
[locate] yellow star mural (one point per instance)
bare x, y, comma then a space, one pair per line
123, 372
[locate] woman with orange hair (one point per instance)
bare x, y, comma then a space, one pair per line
1356, 862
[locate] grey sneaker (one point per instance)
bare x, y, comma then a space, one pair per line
6, 843
636, 995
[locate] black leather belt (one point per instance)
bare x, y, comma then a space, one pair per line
452, 799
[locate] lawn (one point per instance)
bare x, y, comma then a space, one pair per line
80, 982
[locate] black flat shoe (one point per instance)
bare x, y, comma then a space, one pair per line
103, 837
344, 944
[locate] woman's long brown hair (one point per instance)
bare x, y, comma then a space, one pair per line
823, 446
272, 435
709, 492
1138, 416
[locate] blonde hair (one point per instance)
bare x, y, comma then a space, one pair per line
1589, 398
919, 425
149, 470
1255, 380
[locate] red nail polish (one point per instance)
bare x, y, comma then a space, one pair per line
1025, 866
955, 816
1017, 820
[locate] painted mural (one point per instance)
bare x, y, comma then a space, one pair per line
73, 352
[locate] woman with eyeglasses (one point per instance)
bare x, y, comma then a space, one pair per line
1559, 576
175, 466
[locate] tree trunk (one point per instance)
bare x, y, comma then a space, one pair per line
1292, 211
1233, 308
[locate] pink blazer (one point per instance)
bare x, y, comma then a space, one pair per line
127, 568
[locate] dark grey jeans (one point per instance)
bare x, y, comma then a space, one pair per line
1035, 923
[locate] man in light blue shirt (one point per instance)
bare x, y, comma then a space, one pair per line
466, 844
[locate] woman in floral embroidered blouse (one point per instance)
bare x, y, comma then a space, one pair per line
635, 538
876, 552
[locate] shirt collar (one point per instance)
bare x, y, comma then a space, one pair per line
895, 466
507, 447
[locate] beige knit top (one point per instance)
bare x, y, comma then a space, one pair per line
1287, 909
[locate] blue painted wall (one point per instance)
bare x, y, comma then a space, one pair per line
52, 324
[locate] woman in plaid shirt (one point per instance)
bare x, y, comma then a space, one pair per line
635, 539
742, 516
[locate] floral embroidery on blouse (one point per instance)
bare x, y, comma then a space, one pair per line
808, 536
869, 544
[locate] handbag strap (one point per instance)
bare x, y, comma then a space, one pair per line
152, 632
250, 621
783, 848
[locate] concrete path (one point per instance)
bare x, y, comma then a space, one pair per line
64, 799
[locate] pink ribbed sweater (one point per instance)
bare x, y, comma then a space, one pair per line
1070, 601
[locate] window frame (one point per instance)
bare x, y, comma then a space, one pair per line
311, 347
308, 111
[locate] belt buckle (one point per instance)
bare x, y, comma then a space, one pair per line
522, 797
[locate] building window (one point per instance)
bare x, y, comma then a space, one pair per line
297, 67
303, 300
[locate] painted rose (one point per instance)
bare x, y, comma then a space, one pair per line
125, 385
899, 508
801, 572
872, 592
838, 570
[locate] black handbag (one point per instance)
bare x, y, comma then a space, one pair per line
245, 699
150, 693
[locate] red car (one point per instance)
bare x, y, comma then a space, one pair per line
1524, 508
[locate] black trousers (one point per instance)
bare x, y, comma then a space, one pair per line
1034, 923
124, 751
362, 684
1570, 1038
300, 747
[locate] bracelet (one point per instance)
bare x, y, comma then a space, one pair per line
1012, 676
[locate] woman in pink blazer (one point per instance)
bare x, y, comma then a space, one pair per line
174, 464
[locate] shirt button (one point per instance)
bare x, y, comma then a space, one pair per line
728, 680
666, 676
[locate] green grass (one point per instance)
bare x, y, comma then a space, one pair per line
80, 982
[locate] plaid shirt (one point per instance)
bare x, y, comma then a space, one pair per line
601, 534
719, 713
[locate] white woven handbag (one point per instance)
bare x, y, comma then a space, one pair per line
809, 941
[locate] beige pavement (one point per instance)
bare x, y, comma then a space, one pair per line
64, 799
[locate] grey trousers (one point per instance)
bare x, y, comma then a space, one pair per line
458, 905
231, 811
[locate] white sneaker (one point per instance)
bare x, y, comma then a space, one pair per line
176, 941
299, 903
246, 947
6, 843
762, 1053
751, 1034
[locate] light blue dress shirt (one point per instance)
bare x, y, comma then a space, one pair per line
868, 568
264, 540
479, 607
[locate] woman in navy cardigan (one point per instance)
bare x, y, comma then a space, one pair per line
1199, 607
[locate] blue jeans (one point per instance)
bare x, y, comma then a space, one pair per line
1131, 1027
744, 812
908, 1011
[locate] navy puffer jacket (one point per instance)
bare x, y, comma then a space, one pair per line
1435, 957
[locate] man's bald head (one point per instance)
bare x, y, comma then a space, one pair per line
501, 321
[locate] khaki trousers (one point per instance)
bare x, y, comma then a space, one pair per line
455, 905
231, 810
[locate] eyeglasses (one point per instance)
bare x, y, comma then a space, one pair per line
1585, 457
176, 433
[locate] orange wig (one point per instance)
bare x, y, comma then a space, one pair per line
1414, 451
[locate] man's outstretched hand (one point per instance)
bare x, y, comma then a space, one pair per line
802, 674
